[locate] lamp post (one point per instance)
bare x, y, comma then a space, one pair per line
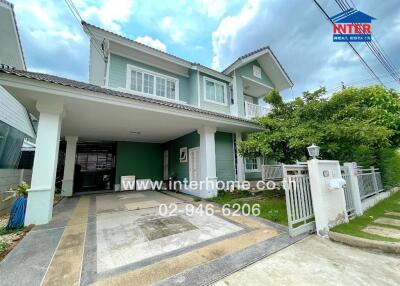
313, 151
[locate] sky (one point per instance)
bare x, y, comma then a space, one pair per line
214, 33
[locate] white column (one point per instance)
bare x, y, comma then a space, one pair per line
234, 106
355, 191
41, 194
327, 197
69, 167
240, 160
208, 173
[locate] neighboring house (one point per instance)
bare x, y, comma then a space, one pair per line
144, 113
15, 122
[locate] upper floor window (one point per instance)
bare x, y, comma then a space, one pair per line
215, 91
152, 83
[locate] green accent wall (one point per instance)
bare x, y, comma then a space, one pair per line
223, 155
144, 160
118, 69
225, 164
247, 70
193, 99
181, 170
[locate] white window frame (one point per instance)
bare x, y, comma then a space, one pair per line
252, 170
131, 68
205, 79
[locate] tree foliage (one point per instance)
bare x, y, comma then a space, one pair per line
351, 125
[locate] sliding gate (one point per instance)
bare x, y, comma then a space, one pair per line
299, 206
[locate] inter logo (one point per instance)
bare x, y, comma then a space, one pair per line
352, 26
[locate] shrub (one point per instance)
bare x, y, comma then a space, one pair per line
389, 164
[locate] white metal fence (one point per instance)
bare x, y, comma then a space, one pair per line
299, 206
348, 195
369, 182
254, 110
271, 172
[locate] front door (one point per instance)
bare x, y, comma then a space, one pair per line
95, 166
194, 164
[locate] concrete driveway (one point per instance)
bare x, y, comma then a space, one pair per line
123, 239
318, 261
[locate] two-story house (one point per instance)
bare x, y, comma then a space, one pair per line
144, 113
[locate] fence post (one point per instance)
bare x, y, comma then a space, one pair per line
355, 190
329, 202
376, 189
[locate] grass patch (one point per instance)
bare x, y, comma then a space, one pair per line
355, 226
272, 203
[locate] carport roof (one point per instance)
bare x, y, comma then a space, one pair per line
95, 88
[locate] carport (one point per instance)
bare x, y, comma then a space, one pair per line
80, 112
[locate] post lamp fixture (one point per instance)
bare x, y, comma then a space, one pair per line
313, 151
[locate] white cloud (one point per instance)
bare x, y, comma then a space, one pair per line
166, 23
170, 27
229, 27
213, 8
109, 13
177, 36
154, 43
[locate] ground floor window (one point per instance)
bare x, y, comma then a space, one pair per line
252, 164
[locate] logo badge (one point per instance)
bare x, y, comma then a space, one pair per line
352, 26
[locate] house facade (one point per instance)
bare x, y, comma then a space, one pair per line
144, 113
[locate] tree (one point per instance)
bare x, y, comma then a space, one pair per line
352, 125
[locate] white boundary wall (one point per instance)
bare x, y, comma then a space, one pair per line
8, 179
372, 201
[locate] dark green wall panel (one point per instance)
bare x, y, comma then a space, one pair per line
181, 170
144, 160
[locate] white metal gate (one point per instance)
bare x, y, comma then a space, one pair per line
299, 206
348, 195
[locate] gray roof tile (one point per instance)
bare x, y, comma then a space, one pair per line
95, 88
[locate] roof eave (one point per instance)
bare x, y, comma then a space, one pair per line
135, 45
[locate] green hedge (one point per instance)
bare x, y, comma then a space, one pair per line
389, 164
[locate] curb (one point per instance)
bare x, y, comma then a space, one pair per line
385, 246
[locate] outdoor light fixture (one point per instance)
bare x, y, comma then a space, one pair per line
313, 151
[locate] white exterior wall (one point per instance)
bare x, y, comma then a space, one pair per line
14, 113
97, 66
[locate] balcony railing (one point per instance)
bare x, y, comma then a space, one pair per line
253, 110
